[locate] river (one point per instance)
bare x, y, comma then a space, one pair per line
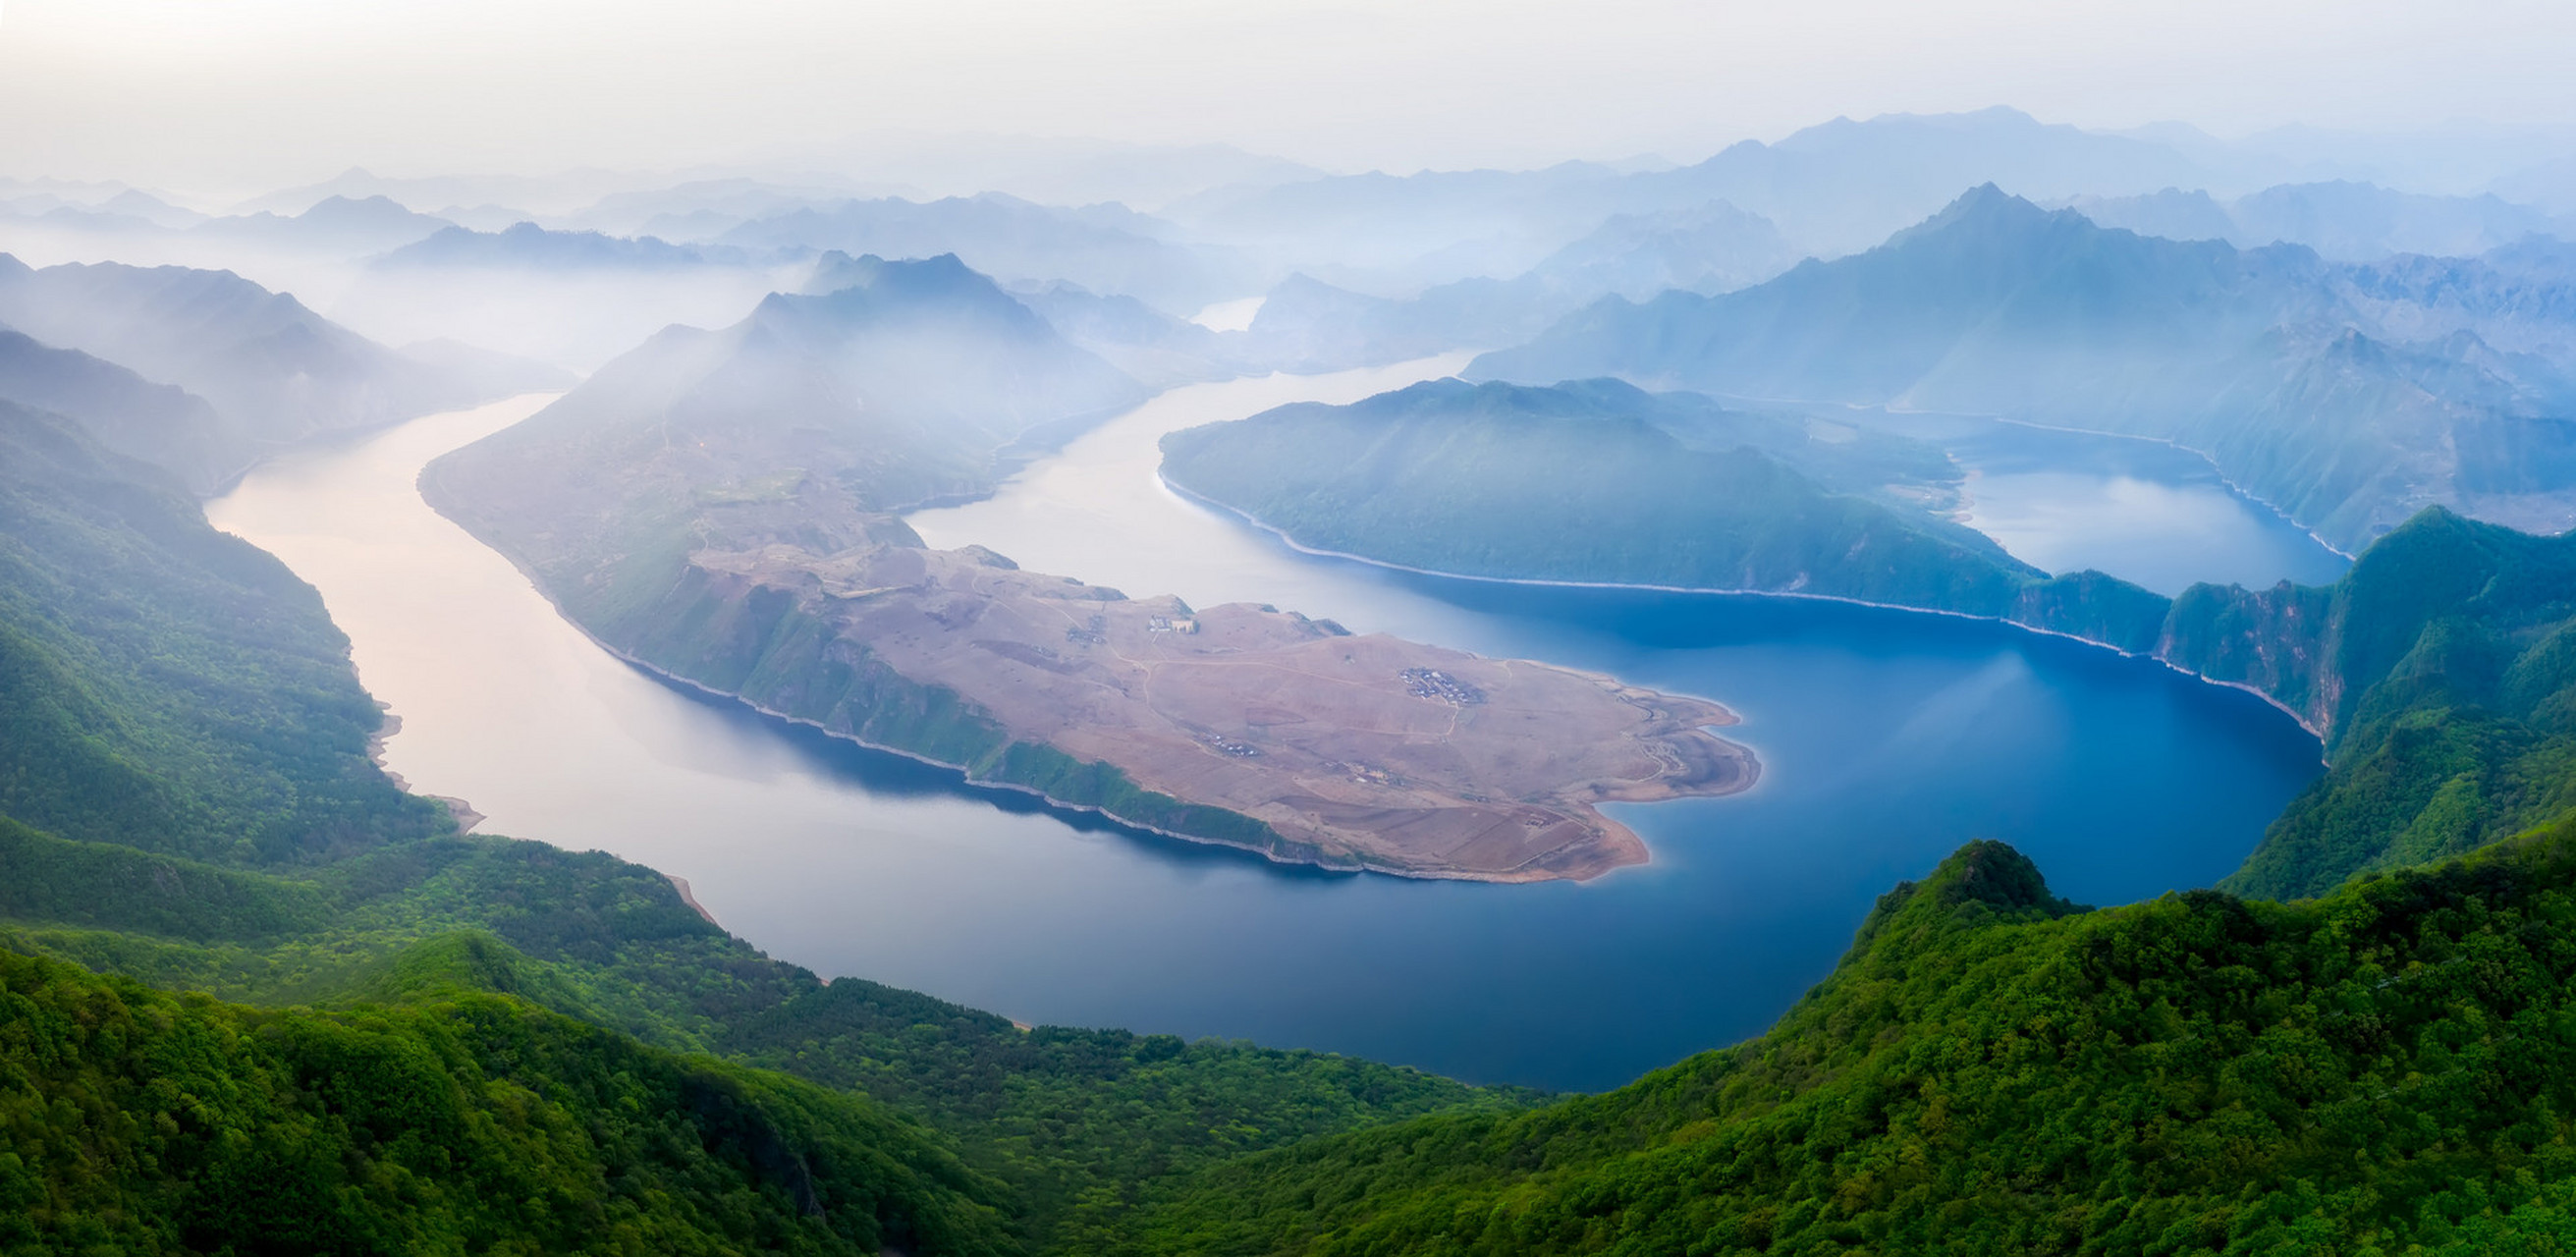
1887, 739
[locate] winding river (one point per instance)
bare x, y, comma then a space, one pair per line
1887, 740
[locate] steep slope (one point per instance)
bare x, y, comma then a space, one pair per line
275, 371
1991, 1072
2442, 671
126, 414
2350, 399
129, 630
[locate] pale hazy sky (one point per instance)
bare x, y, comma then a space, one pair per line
240, 94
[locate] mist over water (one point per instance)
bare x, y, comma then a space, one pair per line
1886, 738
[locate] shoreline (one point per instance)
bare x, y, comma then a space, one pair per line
681, 884
459, 810
1300, 547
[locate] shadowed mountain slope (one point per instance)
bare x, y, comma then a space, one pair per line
166, 686
126, 414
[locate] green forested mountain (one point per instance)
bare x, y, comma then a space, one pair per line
160, 424
1991, 1071
2441, 671
137, 1121
163, 685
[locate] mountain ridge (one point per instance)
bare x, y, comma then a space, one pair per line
2270, 361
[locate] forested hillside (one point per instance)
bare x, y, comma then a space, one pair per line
455, 1122
1993, 1071
2441, 671
163, 685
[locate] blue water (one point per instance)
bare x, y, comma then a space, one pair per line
2141, 510
1886, 738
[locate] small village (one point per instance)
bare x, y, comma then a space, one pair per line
1434, 684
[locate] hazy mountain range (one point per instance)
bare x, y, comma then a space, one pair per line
1832, 189
2349, 396
204, 373
2353, 222
337, 226
1106, 248
573, 298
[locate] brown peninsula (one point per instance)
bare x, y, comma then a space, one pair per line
1361, 751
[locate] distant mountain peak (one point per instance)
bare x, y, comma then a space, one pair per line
1986, 198
837, 272
1987, 210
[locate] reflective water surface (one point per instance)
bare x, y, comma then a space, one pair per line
1887, 739
2140, 510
